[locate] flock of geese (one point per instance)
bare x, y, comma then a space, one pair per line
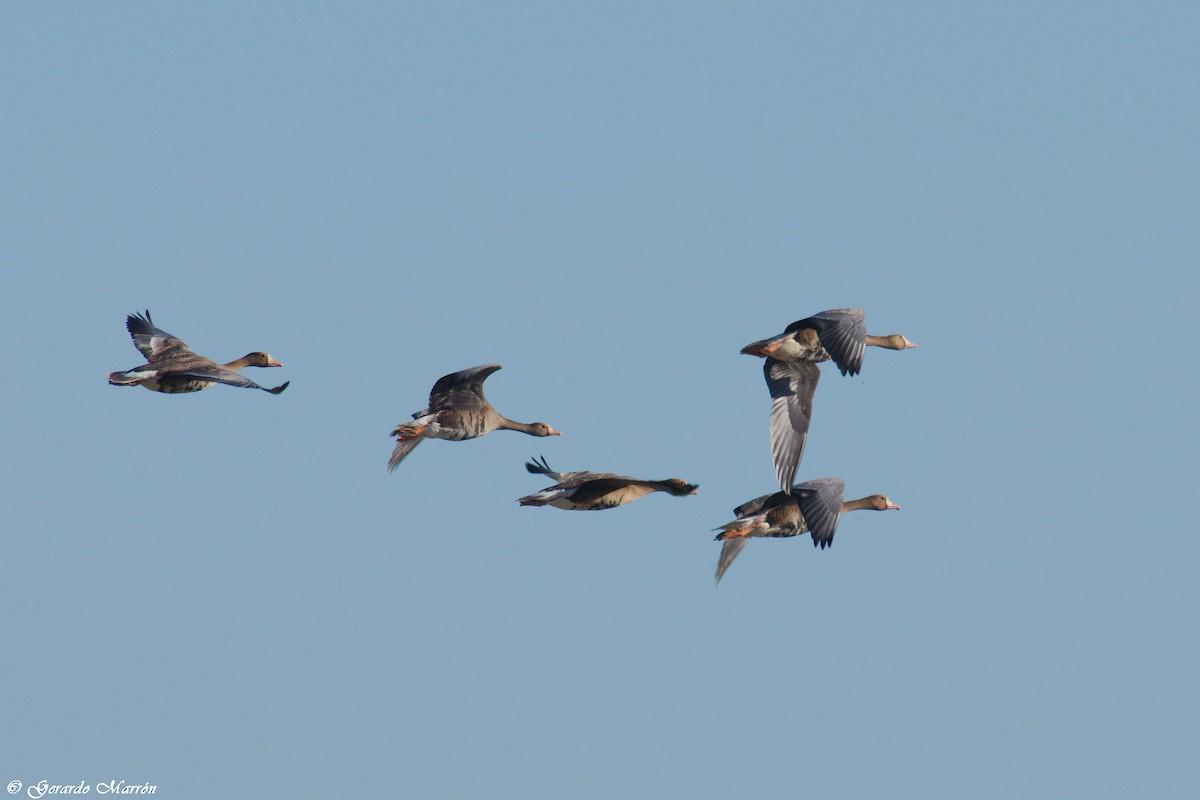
458, 410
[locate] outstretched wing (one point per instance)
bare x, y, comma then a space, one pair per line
154, 343
219, 374
402, 449
460, 389
791, 384
729, 551
820, 503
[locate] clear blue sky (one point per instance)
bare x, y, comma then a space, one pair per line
227, 593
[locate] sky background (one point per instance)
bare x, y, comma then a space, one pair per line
226, 592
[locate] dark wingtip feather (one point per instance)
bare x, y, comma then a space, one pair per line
280, 388
537, 468
139, 324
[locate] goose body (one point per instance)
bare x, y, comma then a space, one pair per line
458, 410
814, 507
174, 368
596, 491
792, 374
